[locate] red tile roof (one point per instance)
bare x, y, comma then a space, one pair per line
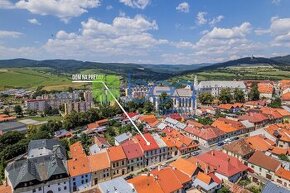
227, 125
283, 173
139, 139
145, 184
167, 180
280, 131
5, 189
260, 143
254, 117
132, 150
285, 96
4, 117
222, 163
76, 150
116, 153
99, 161
205, 132
265, 88
184, 166
266, 162
78, 166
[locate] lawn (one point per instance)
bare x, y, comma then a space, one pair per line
47, 118
31, 78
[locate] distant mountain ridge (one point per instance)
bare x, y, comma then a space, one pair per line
142, 71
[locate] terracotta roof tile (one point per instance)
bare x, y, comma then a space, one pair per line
139, 139
116, 153
204, 177
266, 162
76, 150
5, 189
99, 161
132, 150
206, 132
78, 166
146, 184
266, 88
184, 166
260, 143
285, 96
240, 147
283, 173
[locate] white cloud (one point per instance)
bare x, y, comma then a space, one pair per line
34, 21
200, 18
9, 34
6, 4
216, 20
64, 9
125, 36
183, 7
280, 25
140, 4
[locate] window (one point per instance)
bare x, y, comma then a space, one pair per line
39, 189
64, 188
82, 181
59, 189
33, 190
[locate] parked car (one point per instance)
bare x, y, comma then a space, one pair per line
220, 143
194, 153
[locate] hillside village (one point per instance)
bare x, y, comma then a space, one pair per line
207, 136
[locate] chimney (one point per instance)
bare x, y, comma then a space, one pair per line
212, 153
159, 167
156, 177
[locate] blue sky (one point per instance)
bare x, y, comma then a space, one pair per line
144, 31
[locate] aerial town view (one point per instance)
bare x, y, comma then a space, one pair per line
144, 96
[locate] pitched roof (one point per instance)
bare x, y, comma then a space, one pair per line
145, 184
283, 173
285, 96
260, 143
176, 139
116, 185
222, 163
139, 139
266, 88
206, 132
5, 189
78, 166
254, 117
76, 150
279, 131
99, 161
132, 150
184, 166
266, 162
271, 187
227, 125
116, 153
279, 151
240, 147
167, 180
204, 177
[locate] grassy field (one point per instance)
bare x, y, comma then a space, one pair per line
238, 73
32, 78
47, 118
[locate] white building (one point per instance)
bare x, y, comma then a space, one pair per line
215, 87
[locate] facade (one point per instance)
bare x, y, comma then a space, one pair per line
100, 167
118, 161
79, 168
263, 165
36, 104
135, 156
40, 173
163, 149
215, 87
239, 149
151, 151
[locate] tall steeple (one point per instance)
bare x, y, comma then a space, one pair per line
195, 82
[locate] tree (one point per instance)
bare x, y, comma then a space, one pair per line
224, 190
254, 94
18, 110
225, 95
276, 103
6, 111
148, 107
239, 95
205, 98
166, 103
205, 121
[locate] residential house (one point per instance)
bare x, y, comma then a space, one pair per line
233, 108
282, 177
239, 149
273, 115
224, 166
134, 155
118, 161
207, 183
145, 184
119, 139
266, 90
4, 118
98, 126
79, 168
149, 121
271, 187
185, 166
206, 135
178, 143
151, 151
281, 134
163, 148
260, 143
258, 119
229, 126
39, 173
100, 167
263, 165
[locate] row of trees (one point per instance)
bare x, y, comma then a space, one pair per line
227, 96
